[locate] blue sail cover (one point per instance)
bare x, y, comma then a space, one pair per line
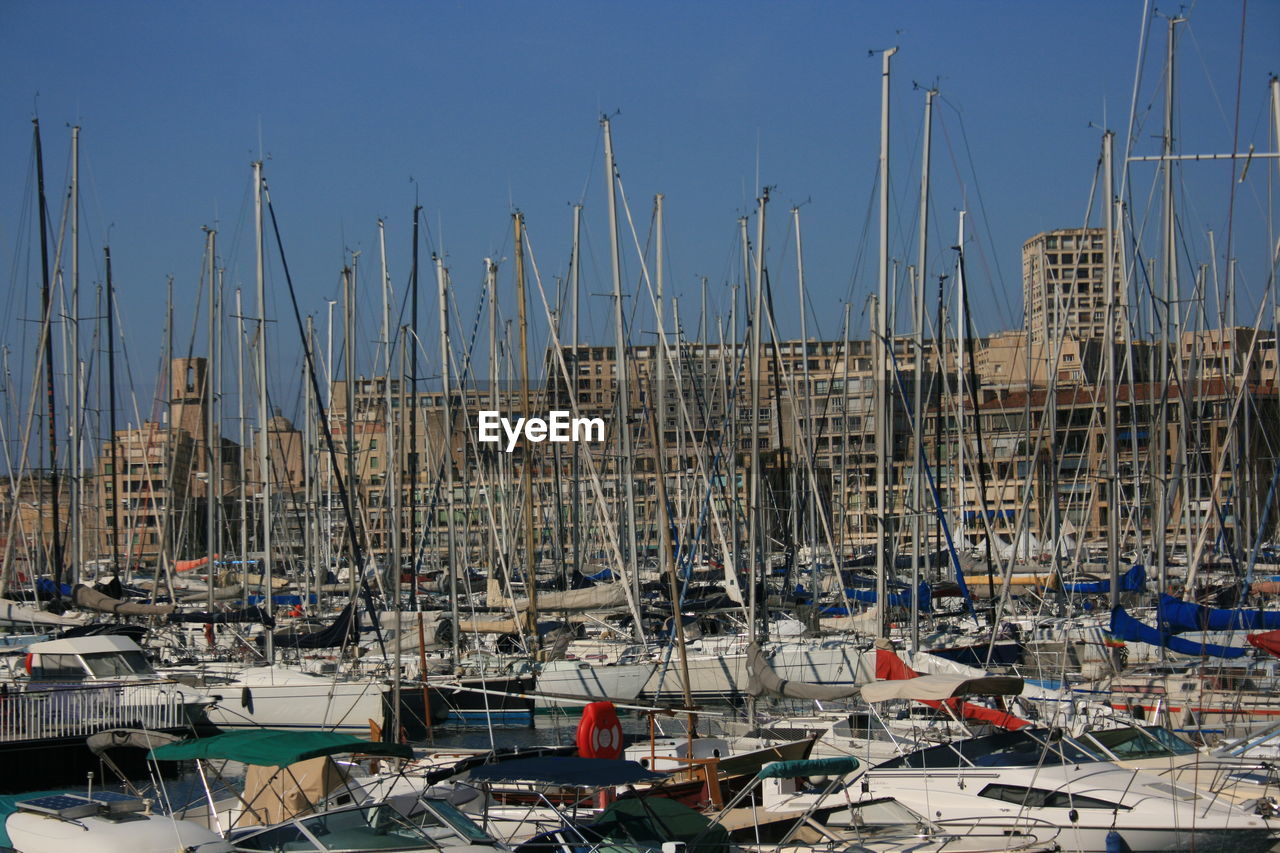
1178, 615
1131, 581
896, 599
1125, 627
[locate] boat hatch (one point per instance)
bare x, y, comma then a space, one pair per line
1252, 777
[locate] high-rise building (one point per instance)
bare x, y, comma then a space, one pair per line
1064, 288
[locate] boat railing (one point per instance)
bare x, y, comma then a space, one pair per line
81, 711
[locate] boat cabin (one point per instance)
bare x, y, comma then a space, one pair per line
88, 660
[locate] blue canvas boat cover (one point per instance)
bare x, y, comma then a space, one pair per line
1179, 615
1125, 627
1131, 581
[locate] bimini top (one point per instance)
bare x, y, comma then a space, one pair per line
274, 747
568, 771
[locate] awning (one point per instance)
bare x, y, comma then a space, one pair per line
573, 772
275, 748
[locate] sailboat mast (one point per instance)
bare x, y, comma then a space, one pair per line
917, 406
264, 451
211, 504
77, 448
46, 304
412, 342
1169, 253
575, 281
621, 369
446, 411
961, 523
111, 416
1112, 342
881, 343
530, 554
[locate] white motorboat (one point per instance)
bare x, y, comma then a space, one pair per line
1025, 779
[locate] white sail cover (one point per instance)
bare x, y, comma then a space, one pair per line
926, 688
15, 613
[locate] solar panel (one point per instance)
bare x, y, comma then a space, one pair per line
118, 803
69, 806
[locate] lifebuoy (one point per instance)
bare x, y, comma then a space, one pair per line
599, 732
26, 662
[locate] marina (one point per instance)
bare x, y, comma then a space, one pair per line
545, 545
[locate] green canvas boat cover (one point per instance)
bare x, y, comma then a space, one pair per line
811, 767
274, 747
649, 821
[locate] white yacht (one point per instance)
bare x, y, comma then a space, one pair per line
1025, 779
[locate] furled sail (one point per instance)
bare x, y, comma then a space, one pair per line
1179, 615
1125, 627
890, 667
765, 680
90, 599
1131, 581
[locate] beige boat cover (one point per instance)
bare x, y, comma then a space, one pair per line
926, 688
599, 597
275, 794
764, 679
90, 599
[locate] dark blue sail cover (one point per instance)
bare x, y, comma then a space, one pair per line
1131, 581
1125, 627
896, 599
1179, 615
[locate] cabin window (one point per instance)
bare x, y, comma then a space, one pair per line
1039, 798
57, 668
107, 664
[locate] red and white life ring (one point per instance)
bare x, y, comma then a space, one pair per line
599, 732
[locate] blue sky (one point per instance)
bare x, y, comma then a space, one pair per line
491, 106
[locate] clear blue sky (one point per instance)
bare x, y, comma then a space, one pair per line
491, 106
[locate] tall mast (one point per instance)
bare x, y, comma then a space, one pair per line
77, 449
806, 431
881, 344
391, 492
1112, 341
111, 415
413, 403
447, 457
757, 536
657, 417
628, 533
917, 406
530, 555
264, 451
46, 304
1169, 252
244, 453
575, 281
210, 425
349, 348
961, 524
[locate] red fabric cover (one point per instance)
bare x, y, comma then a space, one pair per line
1268, 641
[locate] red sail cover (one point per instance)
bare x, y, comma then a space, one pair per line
890, 667
599, 732
1268, 641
